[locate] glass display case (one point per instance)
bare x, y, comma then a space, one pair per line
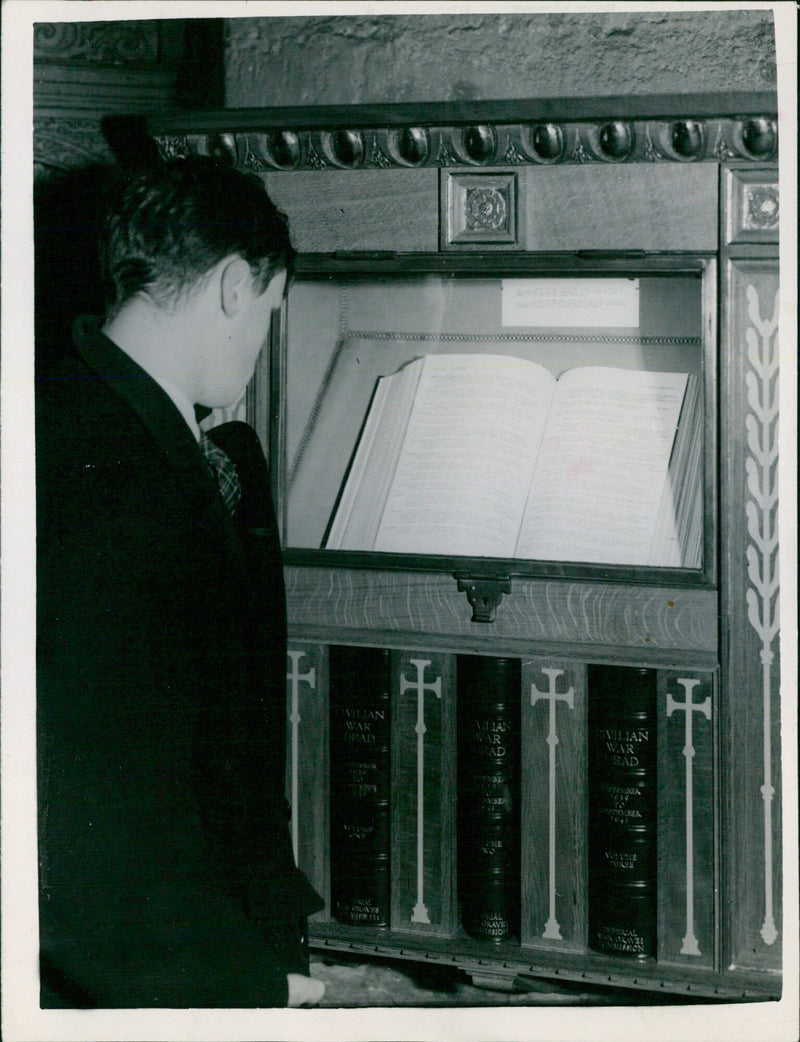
495, 411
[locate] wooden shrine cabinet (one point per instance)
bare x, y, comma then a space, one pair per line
631, 233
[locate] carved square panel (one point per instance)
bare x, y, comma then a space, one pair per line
480, 210
753, 206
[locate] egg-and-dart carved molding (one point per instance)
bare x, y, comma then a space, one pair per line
483, 144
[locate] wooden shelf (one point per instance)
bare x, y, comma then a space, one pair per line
503, 964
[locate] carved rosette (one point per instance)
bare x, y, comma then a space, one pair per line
486, 209
754, 204
762, 207
480, 210
611, 141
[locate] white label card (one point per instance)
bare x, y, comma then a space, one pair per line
570, 302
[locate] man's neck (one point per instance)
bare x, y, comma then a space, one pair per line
160, 342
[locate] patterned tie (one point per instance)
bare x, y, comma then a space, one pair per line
224, 470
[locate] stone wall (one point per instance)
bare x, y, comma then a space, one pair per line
383, 58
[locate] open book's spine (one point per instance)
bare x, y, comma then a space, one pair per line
360, 729
622, 811
488, 796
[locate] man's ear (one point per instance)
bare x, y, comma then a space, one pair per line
276, 287
235, 279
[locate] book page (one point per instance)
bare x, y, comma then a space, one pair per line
599, 479
358, 514
678, 538
472, 439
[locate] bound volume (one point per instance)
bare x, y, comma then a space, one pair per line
360, 725
622, 811
488, 796
490, 455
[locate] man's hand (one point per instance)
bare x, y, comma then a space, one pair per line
304, 991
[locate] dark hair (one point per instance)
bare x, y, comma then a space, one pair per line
173, 223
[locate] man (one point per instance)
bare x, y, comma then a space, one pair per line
166, 872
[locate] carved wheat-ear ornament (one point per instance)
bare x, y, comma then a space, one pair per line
762, 550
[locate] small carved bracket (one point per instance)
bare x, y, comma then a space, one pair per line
484, 593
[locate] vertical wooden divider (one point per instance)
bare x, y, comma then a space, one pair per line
423, 808
686, 826
553, 815
308, 762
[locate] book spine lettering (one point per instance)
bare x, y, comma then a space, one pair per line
622, 811
360, 730
488, 796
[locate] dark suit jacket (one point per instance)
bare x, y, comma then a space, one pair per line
166, 872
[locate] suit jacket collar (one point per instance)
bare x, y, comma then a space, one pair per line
162, 418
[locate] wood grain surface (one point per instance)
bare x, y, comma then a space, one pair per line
425, 610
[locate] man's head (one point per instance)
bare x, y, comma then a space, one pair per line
175, 222
195, 258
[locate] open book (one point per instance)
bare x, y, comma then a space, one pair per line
490, 455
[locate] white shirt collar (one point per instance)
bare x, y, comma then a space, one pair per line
181, 402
